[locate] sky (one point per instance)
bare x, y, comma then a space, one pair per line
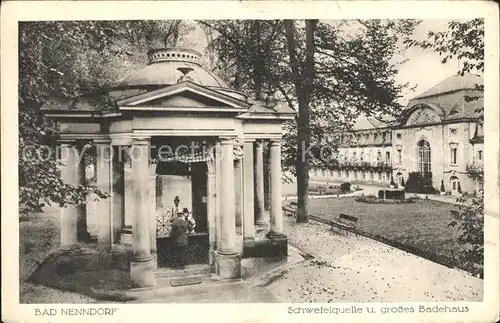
422, 70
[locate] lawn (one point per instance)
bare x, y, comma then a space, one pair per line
38, 237
420, 227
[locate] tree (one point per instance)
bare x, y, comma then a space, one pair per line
469, 220
70, 59
329, 71
463, 40
303, 83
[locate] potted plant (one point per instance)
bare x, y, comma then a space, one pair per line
442, 191
392, 184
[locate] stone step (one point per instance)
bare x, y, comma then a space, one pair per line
188, 271
185, 281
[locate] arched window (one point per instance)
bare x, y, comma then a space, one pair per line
424, 157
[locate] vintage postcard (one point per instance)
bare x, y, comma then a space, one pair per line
250, 161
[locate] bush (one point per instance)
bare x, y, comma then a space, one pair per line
392, 194
469, 220
418, 183
345, 187
371, 199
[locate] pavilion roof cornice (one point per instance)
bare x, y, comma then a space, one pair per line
182, 87
182, 109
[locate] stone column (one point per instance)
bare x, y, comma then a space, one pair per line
152, 207
267, 179
276, 196
248, 193
238, 190
218, 193
104, 215
81, 210
142, 265
128, 214
259, 183
69, 213
228, 263
118, 194
211, 204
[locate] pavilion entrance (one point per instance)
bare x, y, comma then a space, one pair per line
181, 187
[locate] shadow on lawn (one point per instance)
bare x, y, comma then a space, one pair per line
86, 272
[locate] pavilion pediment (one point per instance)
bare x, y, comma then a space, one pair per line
186, 99
184, 95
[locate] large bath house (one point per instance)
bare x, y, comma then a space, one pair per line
173, 136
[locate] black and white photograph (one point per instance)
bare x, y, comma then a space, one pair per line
337, 162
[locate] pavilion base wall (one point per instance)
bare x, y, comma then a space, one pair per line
227, 266
142, 273
274, 247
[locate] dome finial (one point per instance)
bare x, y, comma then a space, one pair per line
185, 70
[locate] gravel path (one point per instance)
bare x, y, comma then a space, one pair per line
358, 269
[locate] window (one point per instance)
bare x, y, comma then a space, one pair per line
354, 156
371, 176
399, 135
339, 173
387, 156
480, 155
424, 157
379, 176
400, 157
356, 174
362, 156
454, 156
363, 174
379, 156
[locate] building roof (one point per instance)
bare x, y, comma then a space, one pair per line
372, 123
166, 67
453, 83
453, 97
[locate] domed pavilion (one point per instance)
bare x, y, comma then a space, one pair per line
173, 137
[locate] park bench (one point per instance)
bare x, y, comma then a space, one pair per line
345, 222
291, 209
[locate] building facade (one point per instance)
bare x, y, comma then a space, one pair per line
439, 132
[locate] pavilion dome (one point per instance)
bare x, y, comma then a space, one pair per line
167, 66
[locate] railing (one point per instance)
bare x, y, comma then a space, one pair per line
474, 169
356, 164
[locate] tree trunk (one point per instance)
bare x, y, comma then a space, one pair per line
303, 87
258, 64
